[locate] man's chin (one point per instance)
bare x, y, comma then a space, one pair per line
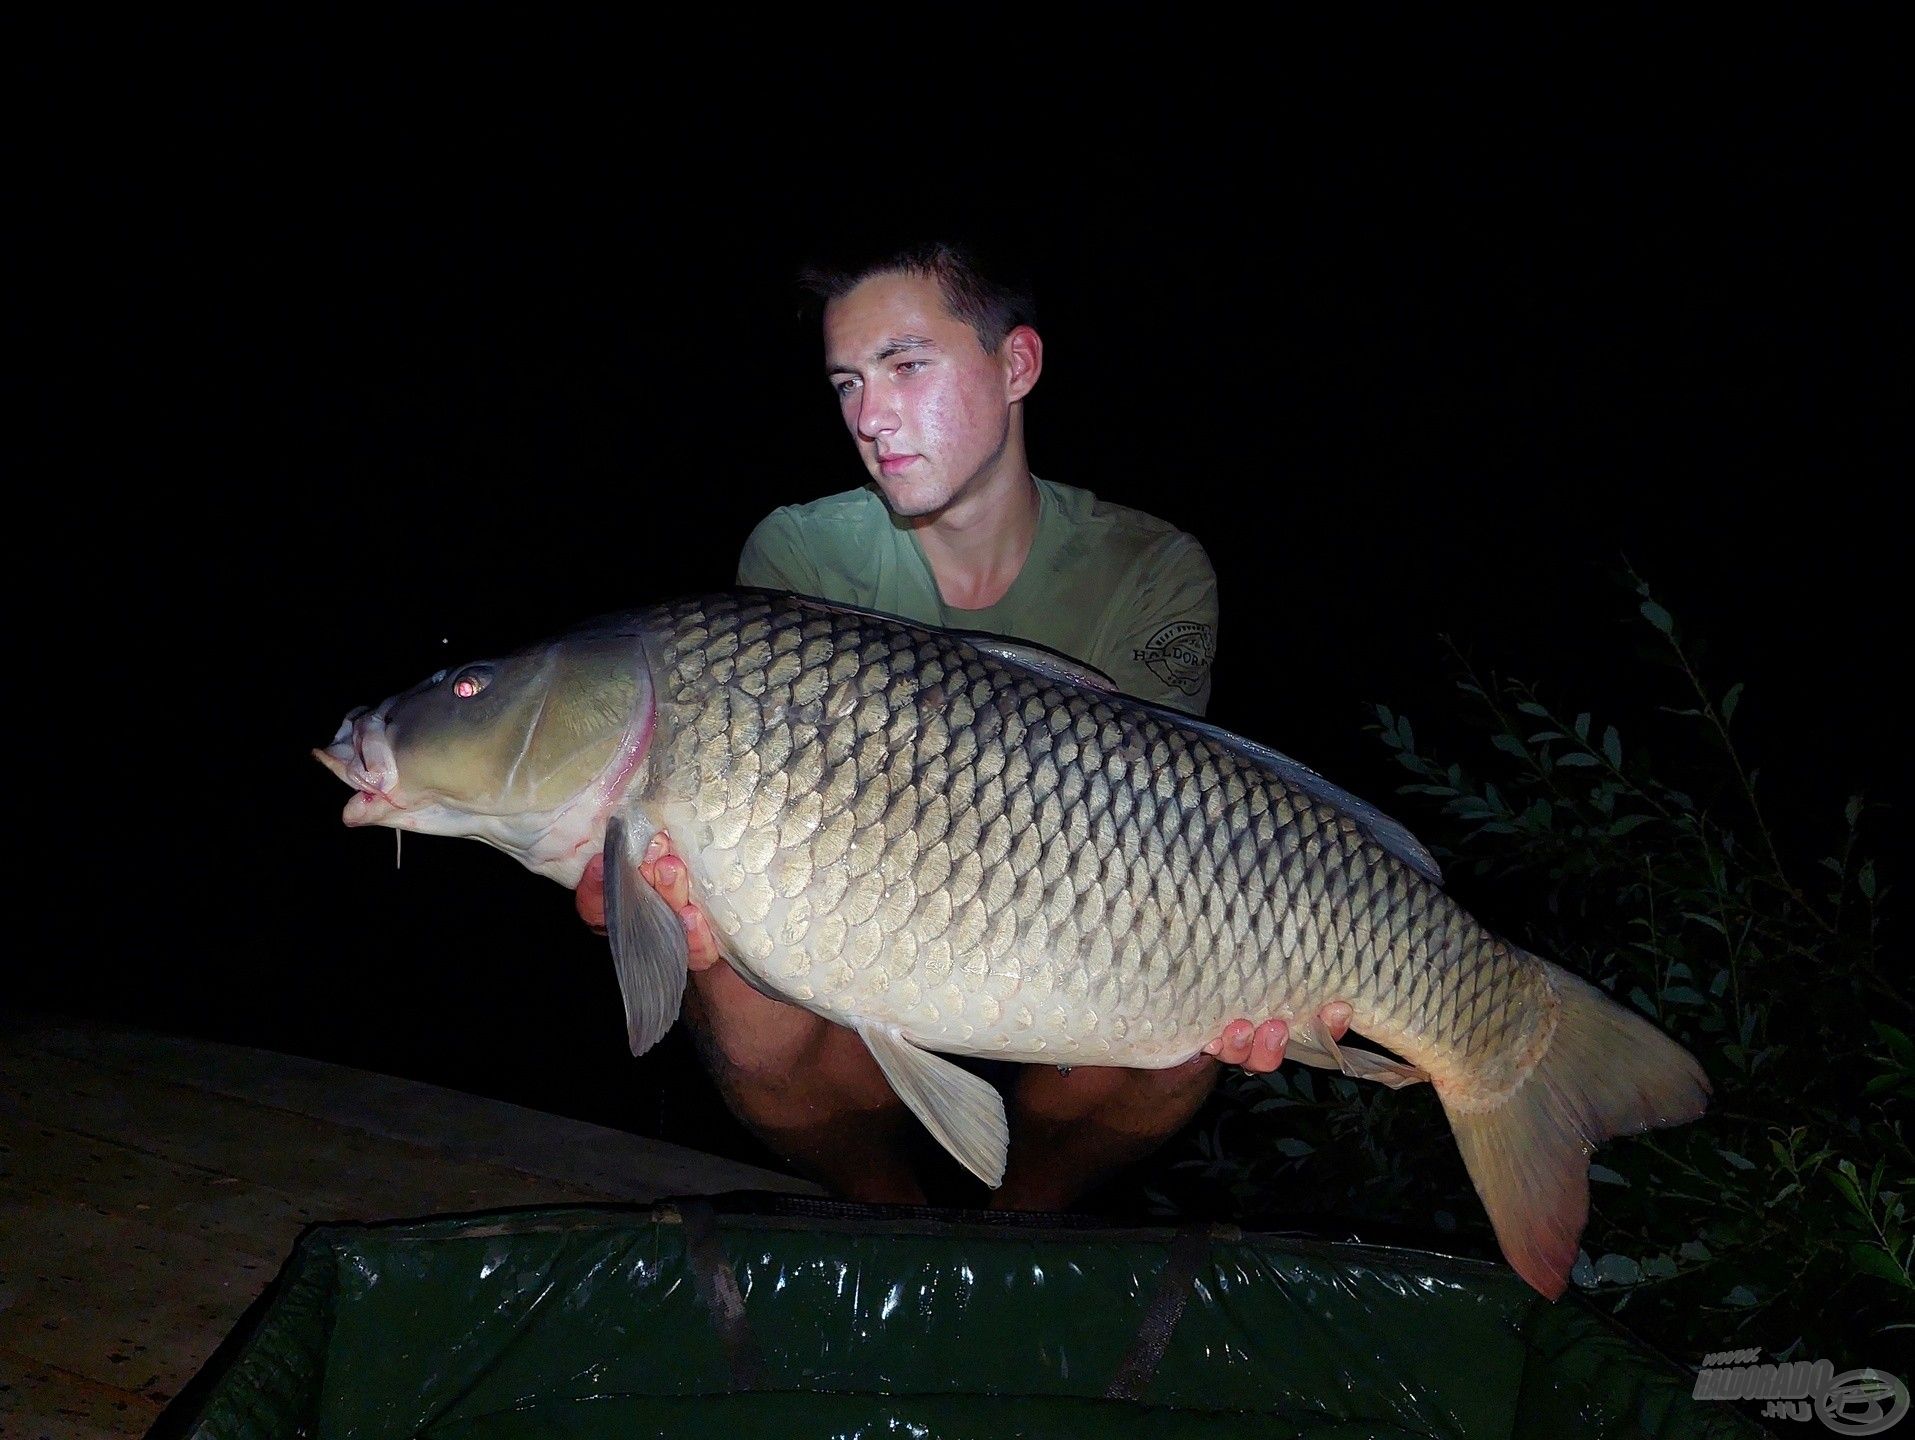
909, 501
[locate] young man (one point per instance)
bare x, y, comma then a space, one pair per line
931, 361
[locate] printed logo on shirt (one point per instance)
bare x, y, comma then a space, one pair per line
1179, 654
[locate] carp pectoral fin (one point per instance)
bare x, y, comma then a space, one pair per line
1313, 1044
965, 1114
648, 944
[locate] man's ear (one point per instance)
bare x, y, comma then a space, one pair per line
1023, 350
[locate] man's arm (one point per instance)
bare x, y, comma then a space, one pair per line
774, 556
1160, 633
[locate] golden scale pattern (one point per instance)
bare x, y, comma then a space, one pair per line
895, 824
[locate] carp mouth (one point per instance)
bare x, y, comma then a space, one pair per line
361, 755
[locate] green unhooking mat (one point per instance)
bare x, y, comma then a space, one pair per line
792, 1318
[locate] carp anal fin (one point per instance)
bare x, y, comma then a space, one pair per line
964, 1114
1313, 1044
648, 944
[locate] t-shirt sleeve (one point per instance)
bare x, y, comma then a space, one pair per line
1161, 632
775, 557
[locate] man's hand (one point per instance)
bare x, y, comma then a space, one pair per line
1259, 1048
666, 874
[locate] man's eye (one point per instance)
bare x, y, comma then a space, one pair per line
910, 367
844, 387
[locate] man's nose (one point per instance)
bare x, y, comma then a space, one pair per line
877, 413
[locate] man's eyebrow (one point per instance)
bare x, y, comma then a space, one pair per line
896, 345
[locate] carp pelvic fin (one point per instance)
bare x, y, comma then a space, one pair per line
1607, 1071
964, 1114
648, 944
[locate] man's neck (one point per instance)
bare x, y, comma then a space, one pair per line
978, 544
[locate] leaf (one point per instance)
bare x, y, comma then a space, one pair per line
1709, 920
1618, 1270
1693, 1250
1741, 1295
1899, 1045
1628, 823
1530, 707
1846, 1184
1582, 727
1865, 878
1728, 702
1641, 1001
1509, 745
1740, 1162
1293, 1147
1853, 810
1683, 995
1389, 720
1659, 1267
1612, 746
1877, 1262
1582, 1272
1658, 617
1603, 1175
1576, 757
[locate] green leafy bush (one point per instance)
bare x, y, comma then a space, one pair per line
1781, 1219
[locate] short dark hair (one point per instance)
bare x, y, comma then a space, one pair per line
992, 302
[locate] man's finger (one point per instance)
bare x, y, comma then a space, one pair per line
1234, 1046
589, 896
1266, 1050
674, 882
700, 945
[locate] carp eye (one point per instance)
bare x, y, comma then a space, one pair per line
470, 682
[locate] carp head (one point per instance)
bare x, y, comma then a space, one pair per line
528, 753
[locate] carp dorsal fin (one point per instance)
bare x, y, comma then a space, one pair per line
648, 944
964, 1114
1049, 663
1392, 835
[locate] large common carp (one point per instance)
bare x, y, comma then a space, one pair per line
959, 844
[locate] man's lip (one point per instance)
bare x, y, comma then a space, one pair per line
891, 464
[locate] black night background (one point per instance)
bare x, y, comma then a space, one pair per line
360, 346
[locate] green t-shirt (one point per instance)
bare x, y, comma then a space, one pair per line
1106, 585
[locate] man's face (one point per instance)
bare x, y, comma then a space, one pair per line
928, 407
